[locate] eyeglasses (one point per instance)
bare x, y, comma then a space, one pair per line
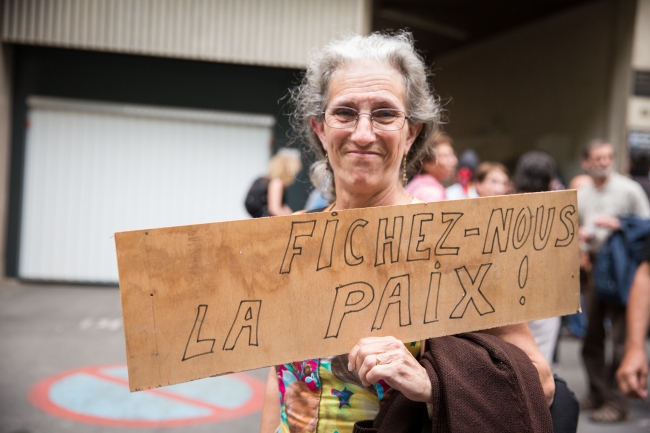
385, 119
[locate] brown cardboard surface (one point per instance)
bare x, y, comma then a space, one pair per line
211, 299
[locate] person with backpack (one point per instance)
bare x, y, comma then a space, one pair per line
267, 196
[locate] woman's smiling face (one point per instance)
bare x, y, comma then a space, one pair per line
365, 159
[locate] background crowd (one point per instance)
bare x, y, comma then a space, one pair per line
614, 225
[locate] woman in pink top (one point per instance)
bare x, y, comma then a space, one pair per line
437, 168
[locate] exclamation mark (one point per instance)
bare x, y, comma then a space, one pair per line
523, 277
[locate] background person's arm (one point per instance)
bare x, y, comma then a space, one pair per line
608, 222
632, 375
274, 199
271, 408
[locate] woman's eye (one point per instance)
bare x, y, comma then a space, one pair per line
385, 114
345, 113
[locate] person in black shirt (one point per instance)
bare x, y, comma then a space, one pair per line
639, 167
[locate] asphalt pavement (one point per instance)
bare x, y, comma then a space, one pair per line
62, 369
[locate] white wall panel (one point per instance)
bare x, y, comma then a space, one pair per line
262, 32
94, 169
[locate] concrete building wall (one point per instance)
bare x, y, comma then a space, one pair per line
259, 32
641, 49
621, 79
5, 147
545, 86
638, 113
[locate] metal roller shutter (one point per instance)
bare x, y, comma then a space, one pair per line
92, 169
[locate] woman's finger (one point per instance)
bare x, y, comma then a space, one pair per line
354, 355
398, 359
403, 374
370, 346
643, 384
372, 362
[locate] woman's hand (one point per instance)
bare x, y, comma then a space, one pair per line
388, 359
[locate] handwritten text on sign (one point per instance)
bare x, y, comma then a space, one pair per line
211, 299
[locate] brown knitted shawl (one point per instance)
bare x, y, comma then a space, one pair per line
480, 385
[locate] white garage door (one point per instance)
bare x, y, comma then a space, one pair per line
94, 169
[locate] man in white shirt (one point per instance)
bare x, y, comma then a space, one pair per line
600, 205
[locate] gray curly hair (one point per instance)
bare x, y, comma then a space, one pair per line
309, 99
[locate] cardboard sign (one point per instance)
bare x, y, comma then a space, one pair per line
212, 299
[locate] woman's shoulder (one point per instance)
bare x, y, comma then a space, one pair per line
327, 208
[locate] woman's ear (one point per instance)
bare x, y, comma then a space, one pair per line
413, 132
319, 129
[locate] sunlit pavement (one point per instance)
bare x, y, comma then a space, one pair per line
62, 369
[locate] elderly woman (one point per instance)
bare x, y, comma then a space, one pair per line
366, 109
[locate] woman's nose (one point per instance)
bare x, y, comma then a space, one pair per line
364, 132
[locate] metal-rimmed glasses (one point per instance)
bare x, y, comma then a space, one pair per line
386, 119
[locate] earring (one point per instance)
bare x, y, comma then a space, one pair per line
327, 162
404, 178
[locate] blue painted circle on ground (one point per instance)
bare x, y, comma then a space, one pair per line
100, 395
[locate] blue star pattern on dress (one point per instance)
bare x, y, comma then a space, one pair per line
344, 397
313, 388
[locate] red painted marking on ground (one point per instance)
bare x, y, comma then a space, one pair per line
39, 397
161, 392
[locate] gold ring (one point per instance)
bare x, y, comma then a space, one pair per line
377, 360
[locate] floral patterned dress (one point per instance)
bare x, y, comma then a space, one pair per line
322, 396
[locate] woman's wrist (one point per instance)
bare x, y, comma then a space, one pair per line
428, 391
